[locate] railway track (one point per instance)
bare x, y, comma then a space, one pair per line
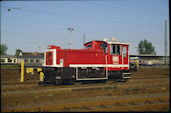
35, 88
92, 91
141, 93
106, 92
125, 103
16, 84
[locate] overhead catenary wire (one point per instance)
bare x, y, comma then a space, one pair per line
27, 20
91, 20
55, 35
88, 18
62, 24
88, 32
59, 24
29, 10
67, 25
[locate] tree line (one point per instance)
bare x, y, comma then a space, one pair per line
4, 48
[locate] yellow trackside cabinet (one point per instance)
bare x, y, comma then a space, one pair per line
39, 69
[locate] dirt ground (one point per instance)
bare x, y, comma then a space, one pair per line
15, 75
147, 90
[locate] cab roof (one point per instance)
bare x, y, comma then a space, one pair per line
108, 42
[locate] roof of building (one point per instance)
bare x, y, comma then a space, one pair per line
8, 56
111, 41
31, 55
147, 55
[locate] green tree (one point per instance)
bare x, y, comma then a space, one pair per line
3, 49
146, 47
17, 52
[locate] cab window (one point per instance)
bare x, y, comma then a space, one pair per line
115, 49
124, 51
103, 46
89, 46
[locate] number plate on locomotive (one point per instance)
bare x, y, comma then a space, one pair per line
58, 77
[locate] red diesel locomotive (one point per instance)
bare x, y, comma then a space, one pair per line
99, 60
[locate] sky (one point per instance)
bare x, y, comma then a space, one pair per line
33, 25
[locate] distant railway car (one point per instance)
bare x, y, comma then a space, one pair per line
8, 60
99, 60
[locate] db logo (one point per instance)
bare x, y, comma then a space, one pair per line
115, 59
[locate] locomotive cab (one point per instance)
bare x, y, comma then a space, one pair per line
116, 52
117, 61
